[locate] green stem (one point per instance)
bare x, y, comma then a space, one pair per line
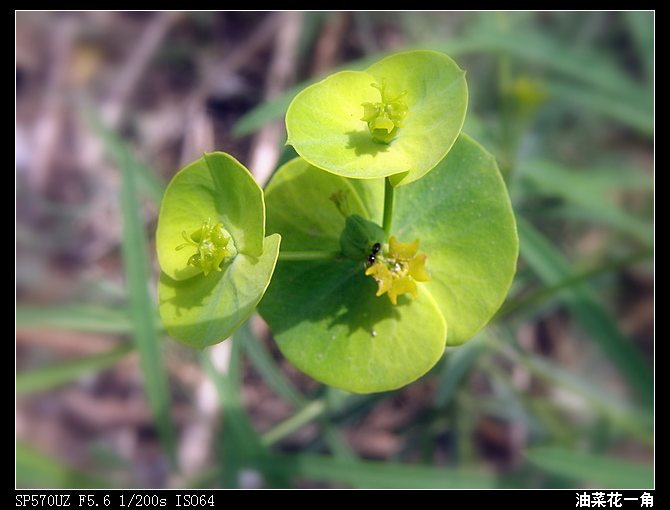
388, 207
295, 422
308, 255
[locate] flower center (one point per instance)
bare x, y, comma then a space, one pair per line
385, 117
213, 245
397, 269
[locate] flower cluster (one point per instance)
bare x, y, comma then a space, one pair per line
212, 244
385, 117
398, 269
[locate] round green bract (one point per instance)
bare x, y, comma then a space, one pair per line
204, 310
215, 187
324, 121
199, 309
325, 315
462, 214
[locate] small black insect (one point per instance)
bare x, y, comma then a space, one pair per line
375, 248
371, 259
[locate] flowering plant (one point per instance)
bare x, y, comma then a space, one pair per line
397, 233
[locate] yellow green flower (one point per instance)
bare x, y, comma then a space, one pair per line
386, 116
398, 269
212, 246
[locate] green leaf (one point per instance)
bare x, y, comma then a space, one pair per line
205, 310
78, 318
589, 190
304, 202
371, 475
328, 322
603, 472
35, 470
462, 215
201, 305
458, 364
120, 150
47, 378
325, 315
218, 188
359, 236
324, 120
142, 310
270, 371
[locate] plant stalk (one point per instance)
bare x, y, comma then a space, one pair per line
308, 255
388, 207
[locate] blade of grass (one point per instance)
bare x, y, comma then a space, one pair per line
336, 441
94, 319
579, 63
552, 268
119, 150
638, 423
355, 406
589, 192
228, 390
35, 470
239, 446
642, 26
507, 401
459, 362
540, 296
311, 29
287, 427
332, 435
375, 474
597, 179
142, 310
271, 372
608, 106
605, 472
276, 380
48, 378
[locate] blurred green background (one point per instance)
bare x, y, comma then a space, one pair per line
556, 392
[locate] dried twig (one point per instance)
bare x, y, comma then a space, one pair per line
266, 145
48, 128
328, 44
133, 69
215, 74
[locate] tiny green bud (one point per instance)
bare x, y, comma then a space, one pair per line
213, 245
384, 118
359, 236
340, 199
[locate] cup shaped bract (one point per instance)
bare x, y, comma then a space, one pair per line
201, 306
326, 126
